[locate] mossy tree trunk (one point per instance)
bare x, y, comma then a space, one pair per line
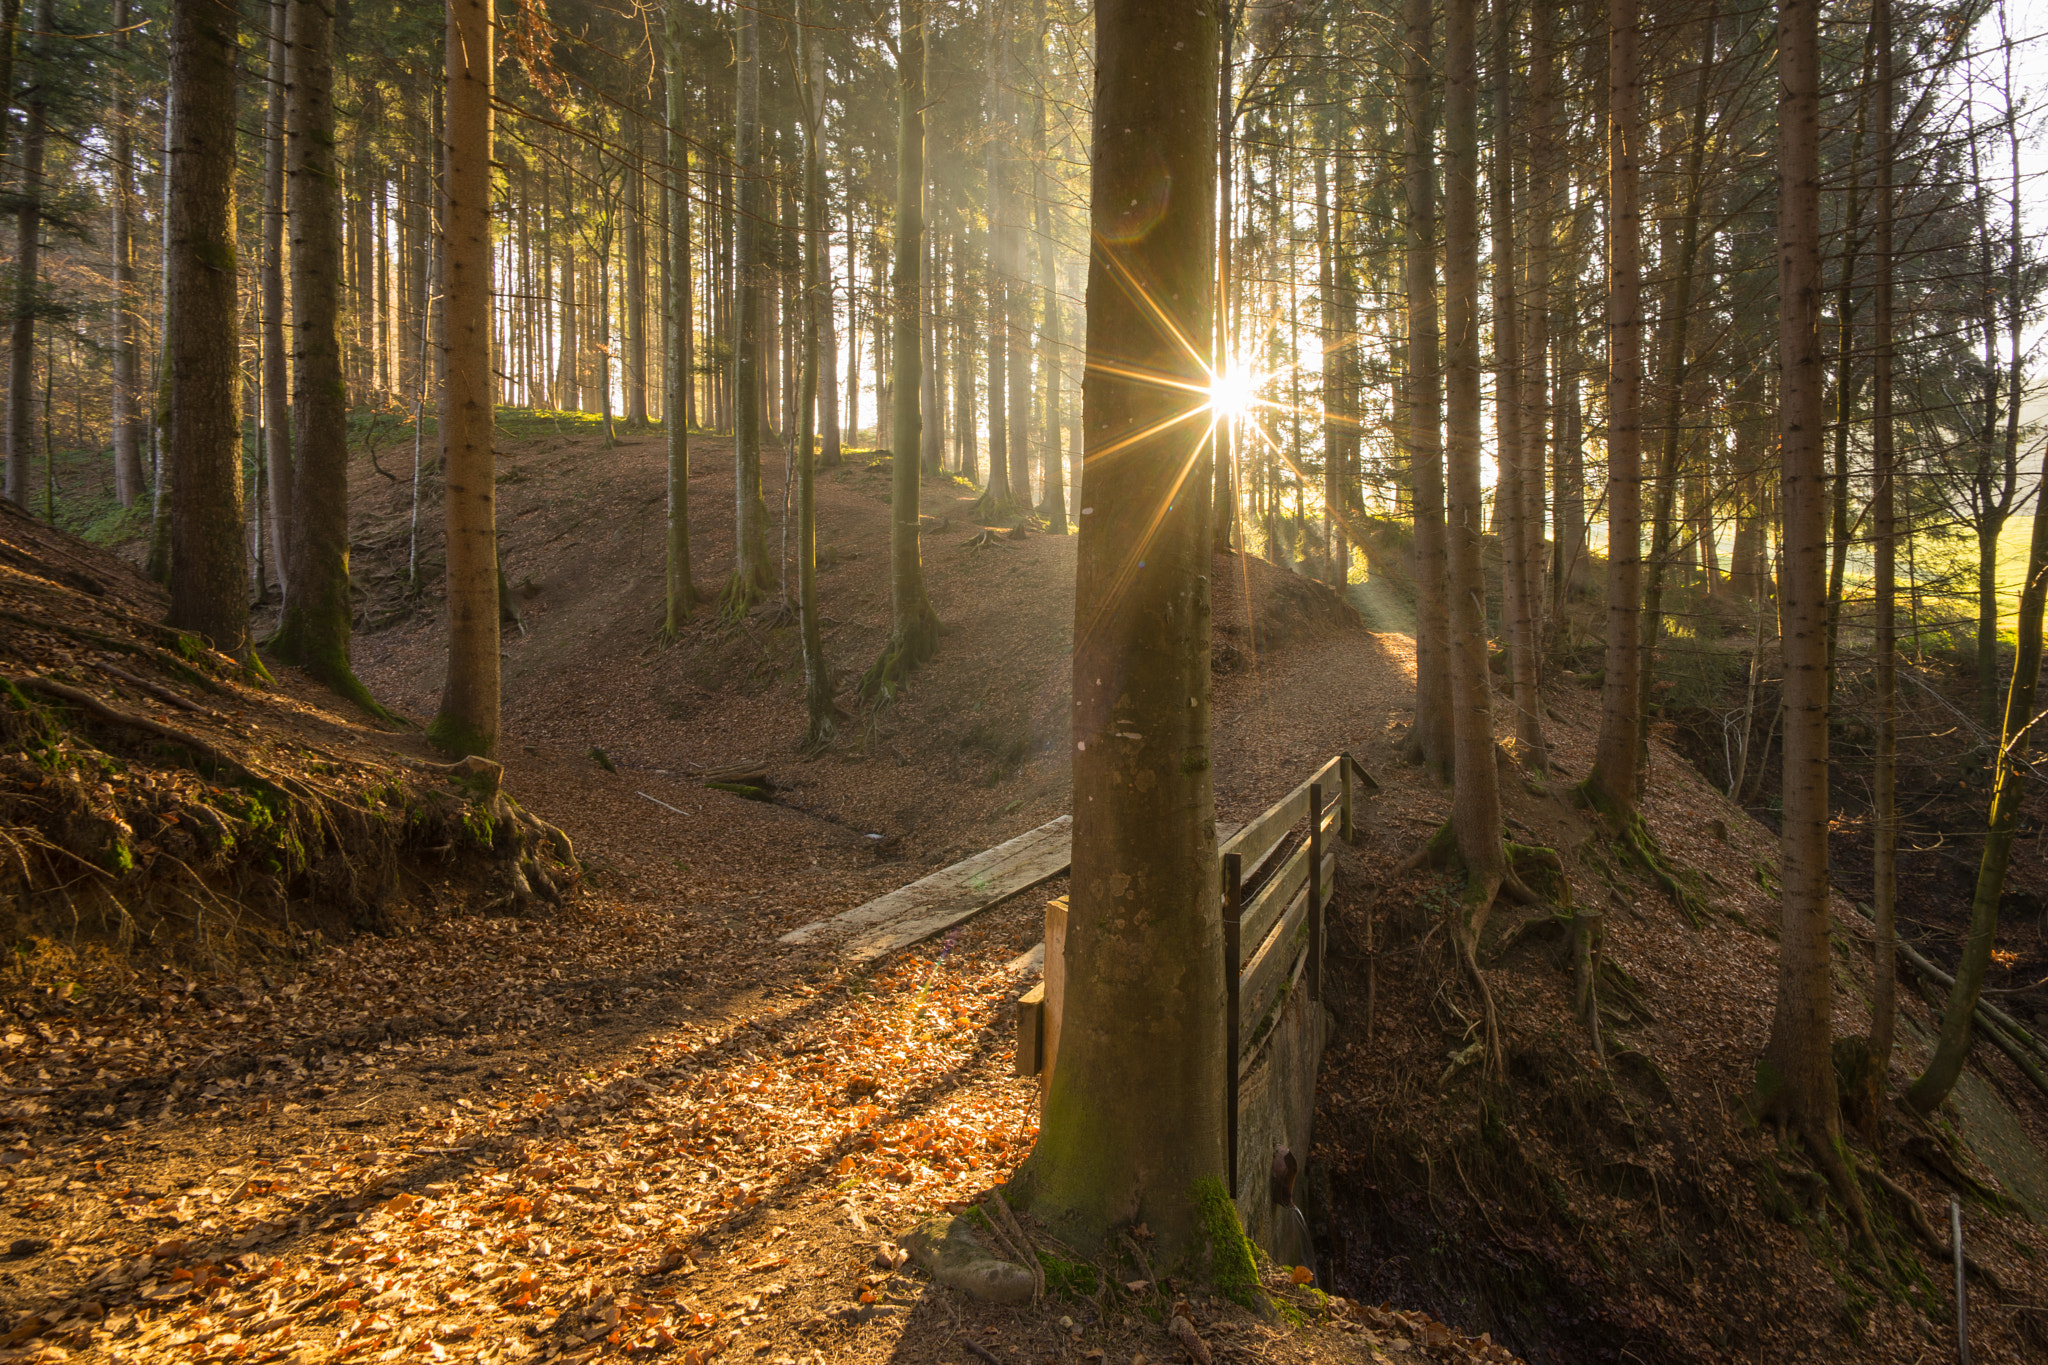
28, 217
276, 361
125, 319
209, 575
318, 614
913, 630
1884, 529
468, 719
1134, 1123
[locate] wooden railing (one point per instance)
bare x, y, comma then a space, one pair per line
1279, 872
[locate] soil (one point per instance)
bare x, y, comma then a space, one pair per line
637, 1125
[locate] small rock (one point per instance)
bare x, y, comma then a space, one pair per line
951, 1254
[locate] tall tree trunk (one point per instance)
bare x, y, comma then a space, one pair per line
1055, 338
822, 714
1225, 495
913, 630
998, 499
468, 719
966, 455
1612, 785
1475, 802
831, 440
1676, 367
318, 616
1133, 1124
1884, 530
1797, 1079
1518, 595
277, 385
209, 572
21, 391
1540, 227
1422, 402
681, 596
128, 475
753, 572
636, 283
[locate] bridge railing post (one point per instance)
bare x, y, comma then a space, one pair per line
1233, 886
1315, 891
1346, 829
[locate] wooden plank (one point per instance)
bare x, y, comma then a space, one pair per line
1030, 1032
1257, 840
1269, 967
1265, 906
935, 903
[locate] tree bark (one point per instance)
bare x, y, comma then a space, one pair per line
319, 614
468, 719
1422, 403
209, 572
21, 372
1797, 1079
822, 715
1884, 530
681, 594
1133, 1124
276, 381
129, 480
753, 571
913, 630
636, 283
1612, 784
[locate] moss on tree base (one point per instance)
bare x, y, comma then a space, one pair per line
906, 651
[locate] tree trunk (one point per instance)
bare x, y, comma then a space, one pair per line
822, 715
753, 572
681, 596
913, 630
277, 384
1133, 1126
1475, 802
1884, 530
319, 614
209, 572
636, 284
127, 419
1422, 404
1518, 595
827, 306
21, 375
1055, 339
1612, 784
1797, 1078
468, 719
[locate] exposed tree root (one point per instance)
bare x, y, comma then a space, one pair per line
906, 651
739, 597
1635, 838
1916, 1218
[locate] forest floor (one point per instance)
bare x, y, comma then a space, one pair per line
638, 1125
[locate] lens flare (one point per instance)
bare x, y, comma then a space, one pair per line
1234, 393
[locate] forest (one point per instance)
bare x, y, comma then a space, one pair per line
1024, 681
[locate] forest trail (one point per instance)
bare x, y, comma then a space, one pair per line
638, 1123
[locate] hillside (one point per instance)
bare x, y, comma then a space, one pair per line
637, 1123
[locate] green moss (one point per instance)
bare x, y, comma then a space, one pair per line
452, 734
1069, 1279
1231, 1267
741, 789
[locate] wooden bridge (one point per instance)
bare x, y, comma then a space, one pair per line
1278, 873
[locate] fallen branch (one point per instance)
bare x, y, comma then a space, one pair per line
1917, 1218
150, 689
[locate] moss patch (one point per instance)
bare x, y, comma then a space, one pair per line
1231, 1267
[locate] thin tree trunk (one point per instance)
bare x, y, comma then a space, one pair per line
1884, 530
753, 573
128, 475
913, 630
276, 386
681, 596
1797, 1078
822, 715
1055, 338
319, 614
468, 719
830, 454
209, 571
1612, 784
21, 391
636, 283
1422, 404
1510, 502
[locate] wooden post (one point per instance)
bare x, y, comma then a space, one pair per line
1315, 891
1055, 994
1233, 881
1345, 828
